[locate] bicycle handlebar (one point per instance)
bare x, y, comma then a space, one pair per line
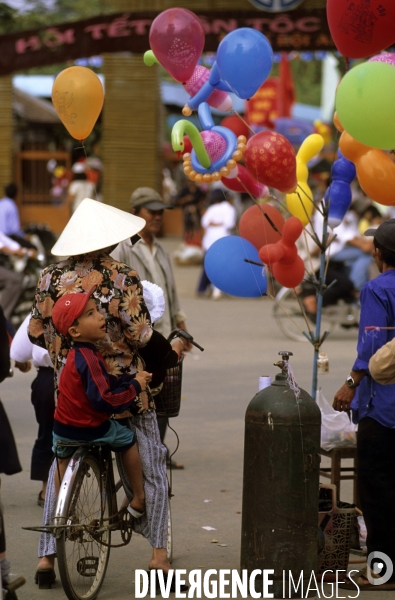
187, 336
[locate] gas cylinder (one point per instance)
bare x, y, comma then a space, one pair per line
281, 483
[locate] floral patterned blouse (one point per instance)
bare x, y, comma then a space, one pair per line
120, 295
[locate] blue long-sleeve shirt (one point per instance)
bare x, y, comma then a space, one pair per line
88, 395
377, 309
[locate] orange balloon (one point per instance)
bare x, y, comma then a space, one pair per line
375, 169
78, 96
336, 122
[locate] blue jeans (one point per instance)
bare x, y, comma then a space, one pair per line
358, 263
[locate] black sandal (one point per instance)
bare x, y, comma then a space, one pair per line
45, 578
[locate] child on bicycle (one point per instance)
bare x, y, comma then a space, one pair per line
88, 395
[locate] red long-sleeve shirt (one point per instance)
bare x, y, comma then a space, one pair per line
88, 395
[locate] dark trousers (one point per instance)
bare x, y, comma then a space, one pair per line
376, 482
43, 400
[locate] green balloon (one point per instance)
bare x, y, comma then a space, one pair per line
365, 104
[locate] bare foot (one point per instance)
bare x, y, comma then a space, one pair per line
138, 503
46, 562
159, 560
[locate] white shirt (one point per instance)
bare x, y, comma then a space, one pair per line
163, 325
223, 215
23, 350
6, 242
80, 189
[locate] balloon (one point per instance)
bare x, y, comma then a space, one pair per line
256, 228
216, 150
384, 57
243, 182
375, 169
282, 257
270, 159
360, 29
289, 276
218, 99
77, 95
244, 59
176, 38
339, 194
336, 122
227, 270
236, 125
300, 203
365, 101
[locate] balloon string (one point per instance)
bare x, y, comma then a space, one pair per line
86, 157
245, 122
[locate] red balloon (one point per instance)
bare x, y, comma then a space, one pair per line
256, 228
289, 276
271, 253
293, 228
360, 29
243, 182
177, 38
236, 125
271, 159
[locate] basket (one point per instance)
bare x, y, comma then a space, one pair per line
335, 555
168, 400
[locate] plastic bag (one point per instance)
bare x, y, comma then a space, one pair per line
337, 430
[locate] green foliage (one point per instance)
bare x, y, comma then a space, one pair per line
307, 80
37, 14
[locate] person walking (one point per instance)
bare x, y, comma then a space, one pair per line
148, 256
373, 408
91, 234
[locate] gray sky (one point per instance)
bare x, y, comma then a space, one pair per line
22, 4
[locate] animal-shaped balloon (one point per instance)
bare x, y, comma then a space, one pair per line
216, 150
244, 61
300, 202
339, 195
218, 99
282, 257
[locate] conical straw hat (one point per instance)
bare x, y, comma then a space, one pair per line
95, 225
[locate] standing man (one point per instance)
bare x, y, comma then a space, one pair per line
373, 408
9, 214
147, 255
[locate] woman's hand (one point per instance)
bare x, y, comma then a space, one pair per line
24, 367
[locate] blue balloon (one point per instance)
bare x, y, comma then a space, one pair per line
338, 194
227, 270
244, 61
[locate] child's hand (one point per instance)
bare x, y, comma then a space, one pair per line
143, 378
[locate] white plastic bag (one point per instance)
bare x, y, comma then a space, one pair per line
336, 428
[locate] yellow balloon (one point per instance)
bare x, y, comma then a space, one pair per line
300, 203
77, 95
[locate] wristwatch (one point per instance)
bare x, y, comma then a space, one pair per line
350, 381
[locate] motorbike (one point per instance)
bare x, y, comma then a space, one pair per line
41, 239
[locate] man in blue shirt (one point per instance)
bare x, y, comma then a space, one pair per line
373, 408
9, 214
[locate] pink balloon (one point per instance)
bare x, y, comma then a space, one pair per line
217, 99
214, 143
244, 182
177, 38
384, 57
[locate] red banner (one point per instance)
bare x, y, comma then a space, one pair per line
262, 108
128, 32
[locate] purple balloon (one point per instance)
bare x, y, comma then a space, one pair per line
384, 57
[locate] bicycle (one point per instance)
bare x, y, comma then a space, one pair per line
291, 320
87, 514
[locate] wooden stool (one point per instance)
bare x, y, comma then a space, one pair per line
335, 471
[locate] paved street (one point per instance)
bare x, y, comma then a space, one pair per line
241, 342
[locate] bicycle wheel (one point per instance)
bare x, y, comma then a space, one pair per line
289, 317
82, 557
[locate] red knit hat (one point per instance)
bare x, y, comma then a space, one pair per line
68, 308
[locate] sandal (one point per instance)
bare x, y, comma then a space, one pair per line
137, 514
360, 580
